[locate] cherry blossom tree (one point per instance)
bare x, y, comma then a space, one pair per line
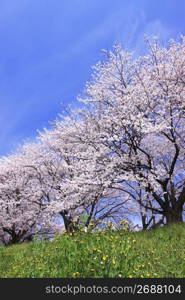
24, 195
139, 111
79, 191
19, 203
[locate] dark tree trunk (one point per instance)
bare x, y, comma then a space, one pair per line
146, 223
15, 239
68, 222
173, 215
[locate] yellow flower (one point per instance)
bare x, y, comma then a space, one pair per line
105, 257
113, 261
96, 250
76, 273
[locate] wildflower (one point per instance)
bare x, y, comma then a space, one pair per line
76, 273
105, 257
113, 261
96, 250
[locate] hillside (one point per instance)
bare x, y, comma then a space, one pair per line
156, 253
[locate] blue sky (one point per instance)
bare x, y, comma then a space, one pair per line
47, 49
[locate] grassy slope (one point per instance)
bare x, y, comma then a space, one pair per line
157, 253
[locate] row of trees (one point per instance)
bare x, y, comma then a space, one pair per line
120, 156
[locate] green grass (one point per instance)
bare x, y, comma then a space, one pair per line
155, 253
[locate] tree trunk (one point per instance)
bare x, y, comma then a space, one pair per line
146, 223
68, 222
173, 215
15, 239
